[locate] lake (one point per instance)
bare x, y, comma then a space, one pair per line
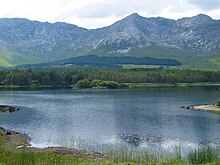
96, 119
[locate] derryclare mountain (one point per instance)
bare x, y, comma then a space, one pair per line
187, 43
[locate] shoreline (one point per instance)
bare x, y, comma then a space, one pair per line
13, 141
203, 107
128, 85
15, 146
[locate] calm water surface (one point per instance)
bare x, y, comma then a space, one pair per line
143, 118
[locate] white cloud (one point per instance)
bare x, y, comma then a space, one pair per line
206, 4
99, 13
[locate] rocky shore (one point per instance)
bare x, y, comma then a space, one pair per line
16, 142
204, 107
6, 108
10, 140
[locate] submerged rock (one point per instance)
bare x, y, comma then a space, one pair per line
137, 140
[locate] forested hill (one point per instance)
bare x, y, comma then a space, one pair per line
97, 62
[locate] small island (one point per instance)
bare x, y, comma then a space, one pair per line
215, 108
6, 108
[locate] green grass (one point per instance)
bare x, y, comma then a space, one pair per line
26, 158
118, 156
204, 156
217, 105
188, 59
205, 63
5, 56
131, 66
124, 85
161, 52
216, 112
150, 51
146, 85
10, 58
4, 63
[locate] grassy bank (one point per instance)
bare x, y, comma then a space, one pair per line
11, 154
147, 85
111, 85
205, 156
216, 112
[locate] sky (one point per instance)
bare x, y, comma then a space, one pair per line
99, 13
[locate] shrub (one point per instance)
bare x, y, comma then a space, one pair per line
218, 103
83, 84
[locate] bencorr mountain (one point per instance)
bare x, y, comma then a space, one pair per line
193, 41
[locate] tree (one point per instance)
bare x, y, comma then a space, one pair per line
83, 84
218, 103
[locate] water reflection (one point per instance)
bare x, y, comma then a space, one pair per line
139, 118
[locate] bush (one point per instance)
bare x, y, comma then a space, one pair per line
110, 84
105, 84
218, 103
83, 84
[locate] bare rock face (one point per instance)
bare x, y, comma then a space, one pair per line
195, 35
27, 40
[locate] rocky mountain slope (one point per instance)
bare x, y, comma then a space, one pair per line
23, 41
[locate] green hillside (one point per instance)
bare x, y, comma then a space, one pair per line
212, 62
34, 42
188, 59
5, 56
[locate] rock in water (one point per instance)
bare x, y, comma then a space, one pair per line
6, 108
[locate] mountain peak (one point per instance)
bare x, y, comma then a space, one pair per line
132, 19
133, 16
202, 17
135, 34
199, 19
129, 21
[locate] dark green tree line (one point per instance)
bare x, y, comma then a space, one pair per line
71, 77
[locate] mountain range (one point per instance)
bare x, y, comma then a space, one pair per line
193, 41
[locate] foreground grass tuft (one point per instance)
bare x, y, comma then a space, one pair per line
202, 156
9, 155
27, 158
